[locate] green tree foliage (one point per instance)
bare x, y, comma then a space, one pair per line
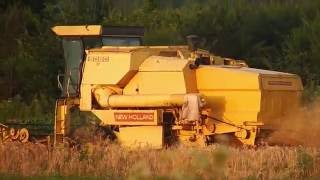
277, 35
302, 51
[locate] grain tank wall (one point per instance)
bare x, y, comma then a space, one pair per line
232, 94
240, 94
281, 96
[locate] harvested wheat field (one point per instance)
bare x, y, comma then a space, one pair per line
101, 159
110, 161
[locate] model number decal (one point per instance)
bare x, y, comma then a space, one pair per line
281, 83
98, 58
126, 116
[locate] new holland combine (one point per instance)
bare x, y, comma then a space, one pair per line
159, 95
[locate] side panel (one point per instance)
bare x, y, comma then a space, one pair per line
163, 75
234, 106
106, 68
141, 136
280, 96
277, 104
156, 83
220, 78
233, 95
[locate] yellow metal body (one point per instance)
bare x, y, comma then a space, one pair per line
89, 30
248, 97
141, 136
246, 94
144, 93
62, 118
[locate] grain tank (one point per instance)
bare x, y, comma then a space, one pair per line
159, 95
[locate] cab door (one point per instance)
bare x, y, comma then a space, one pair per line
73, 54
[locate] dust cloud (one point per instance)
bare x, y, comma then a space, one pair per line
300, 127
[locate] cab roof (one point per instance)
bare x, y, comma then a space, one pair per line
98, 30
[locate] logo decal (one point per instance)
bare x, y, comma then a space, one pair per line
135, 117
281, 83
98, 58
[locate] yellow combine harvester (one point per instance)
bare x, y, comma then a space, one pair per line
157, 95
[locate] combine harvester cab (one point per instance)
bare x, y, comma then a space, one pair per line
160, 95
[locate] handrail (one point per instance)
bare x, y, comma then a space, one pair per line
59, 82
